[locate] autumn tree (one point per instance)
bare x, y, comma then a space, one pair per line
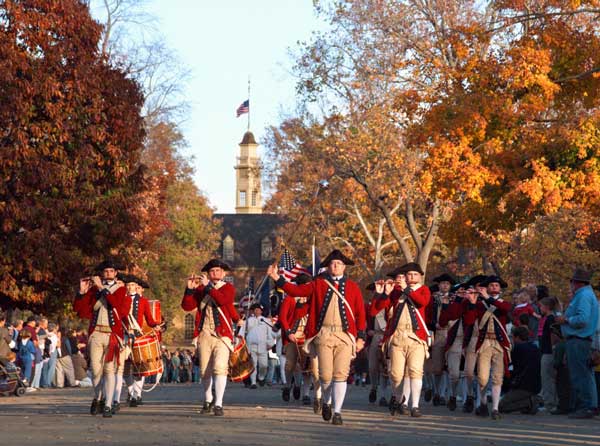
72, 136
474, 117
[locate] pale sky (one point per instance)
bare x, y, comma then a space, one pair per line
223, 42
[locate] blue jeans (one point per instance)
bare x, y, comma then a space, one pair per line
580, 374
27, 363
49, 370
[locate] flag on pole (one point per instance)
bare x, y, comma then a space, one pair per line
316, 262
289, 268
243, 108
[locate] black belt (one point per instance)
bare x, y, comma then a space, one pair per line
589, 338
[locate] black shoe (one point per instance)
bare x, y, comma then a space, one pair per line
296, 392
261, 382
337, 419
415, 412
442, 401
482, 410
94, 408
392, 402
306, 400
101, 405
403, 410
436, 400
452, 403
373, 395
116, 406
107, 412
139, 401
428, 395
496, 415
326, 412
383, 402
206, 408
218, 411
285, 394
254, 386
317, 405
469, 405
133, 402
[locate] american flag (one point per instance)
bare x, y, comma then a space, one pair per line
243, 108
289, 268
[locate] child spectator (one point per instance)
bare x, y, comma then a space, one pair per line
523, 306
26, 354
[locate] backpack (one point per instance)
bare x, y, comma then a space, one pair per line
47, 345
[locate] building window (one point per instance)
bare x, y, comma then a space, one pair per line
242, 198
266, 249
228, 249
189, 327
254, 197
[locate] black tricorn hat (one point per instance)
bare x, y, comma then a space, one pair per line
128, 278
336, 254
495, 279
393, 273
109, 263
445, 278
475, 280
301, 279
457, 286
215, 263
256, 305
412, 266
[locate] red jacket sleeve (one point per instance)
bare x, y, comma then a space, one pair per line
452, 313
148, 314
83, 303
379, 302
120, 301
304, 290
421, 296
361, 316
191, 298
286, 311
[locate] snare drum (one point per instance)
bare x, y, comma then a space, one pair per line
240, 362
146, 356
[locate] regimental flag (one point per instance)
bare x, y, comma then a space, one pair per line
316, 262
243, 108
289, 268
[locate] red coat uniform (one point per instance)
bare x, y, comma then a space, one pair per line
420, 297
140, 309
501, 309
223, 299
118, 309
118, 304
319, 296
290, 313
465, 313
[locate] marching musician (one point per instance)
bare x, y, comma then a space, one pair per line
258, 332
375, 329
293, 316
140, 312
435, 365
104, 302
213, 299
406, 335
335, 329
493, 343
460, 321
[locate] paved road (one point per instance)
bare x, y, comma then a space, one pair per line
259, 417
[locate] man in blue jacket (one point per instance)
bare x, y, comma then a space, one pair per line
578, 326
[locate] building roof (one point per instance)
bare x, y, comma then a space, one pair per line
248, 138
248, 232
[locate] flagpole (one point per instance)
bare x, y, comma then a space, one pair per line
248, 102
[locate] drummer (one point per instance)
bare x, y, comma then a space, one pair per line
213, 299
140, 312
